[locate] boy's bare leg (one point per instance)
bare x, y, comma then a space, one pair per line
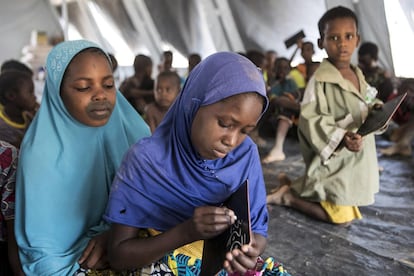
282, 196
276, 153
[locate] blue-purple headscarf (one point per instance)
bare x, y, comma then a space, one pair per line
162, 178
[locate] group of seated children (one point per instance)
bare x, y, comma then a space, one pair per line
73, 218
98, 191
150, 98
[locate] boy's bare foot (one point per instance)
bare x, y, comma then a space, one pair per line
273, 157
280, 196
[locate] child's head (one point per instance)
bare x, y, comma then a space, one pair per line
307, 51
17, 90
167, 87
167, 60
338, 30
270, 57
219, 105
143, 65
193, 60
220, 127
257, 57
281, 68
16, 65
367, 54
88, 87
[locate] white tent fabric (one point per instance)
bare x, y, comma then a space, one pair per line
201, 26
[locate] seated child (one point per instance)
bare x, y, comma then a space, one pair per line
167, 87
10, 263
139, 88
18, 105
67, 162
341, 166
375, 75
284, 104
403, 134
173, 183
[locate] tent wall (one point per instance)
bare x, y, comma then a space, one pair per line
18, 19
204, 26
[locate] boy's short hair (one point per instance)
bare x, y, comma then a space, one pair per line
368, 48
256, 56
12, 80
281, 59
170, 74
142, 62
334, 13
307, 43
16, 65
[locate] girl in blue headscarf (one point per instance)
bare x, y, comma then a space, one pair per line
69, 157
174, 183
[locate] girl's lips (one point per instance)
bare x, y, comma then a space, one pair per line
220, 154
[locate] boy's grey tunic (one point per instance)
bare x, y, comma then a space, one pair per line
332, 106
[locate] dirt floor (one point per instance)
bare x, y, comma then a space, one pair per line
382, 243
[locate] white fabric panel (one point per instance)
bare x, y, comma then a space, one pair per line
18, 19
265, 24
195, 26
373, 28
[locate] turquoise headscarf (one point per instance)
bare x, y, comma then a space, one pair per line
65, 172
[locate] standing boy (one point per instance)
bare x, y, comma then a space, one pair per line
341, 166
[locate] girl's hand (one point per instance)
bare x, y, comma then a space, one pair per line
95, 254
353, 141
241, 260
210, 221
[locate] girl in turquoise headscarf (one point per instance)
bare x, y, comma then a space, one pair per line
68, 160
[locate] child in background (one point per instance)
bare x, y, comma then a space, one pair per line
402, 134
18, 105
173, 183
269, 72
374, 74
67, 162
193, 60
284, 105
15, 65
139, 88
341, 166
308, 67
9, 258
167, 87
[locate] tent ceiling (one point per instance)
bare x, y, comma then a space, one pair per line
151, 26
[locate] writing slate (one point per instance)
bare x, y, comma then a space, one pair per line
236, 236
378, 118
292, 40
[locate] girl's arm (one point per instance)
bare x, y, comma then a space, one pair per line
128, 251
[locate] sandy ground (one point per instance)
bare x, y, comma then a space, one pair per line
382, 243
